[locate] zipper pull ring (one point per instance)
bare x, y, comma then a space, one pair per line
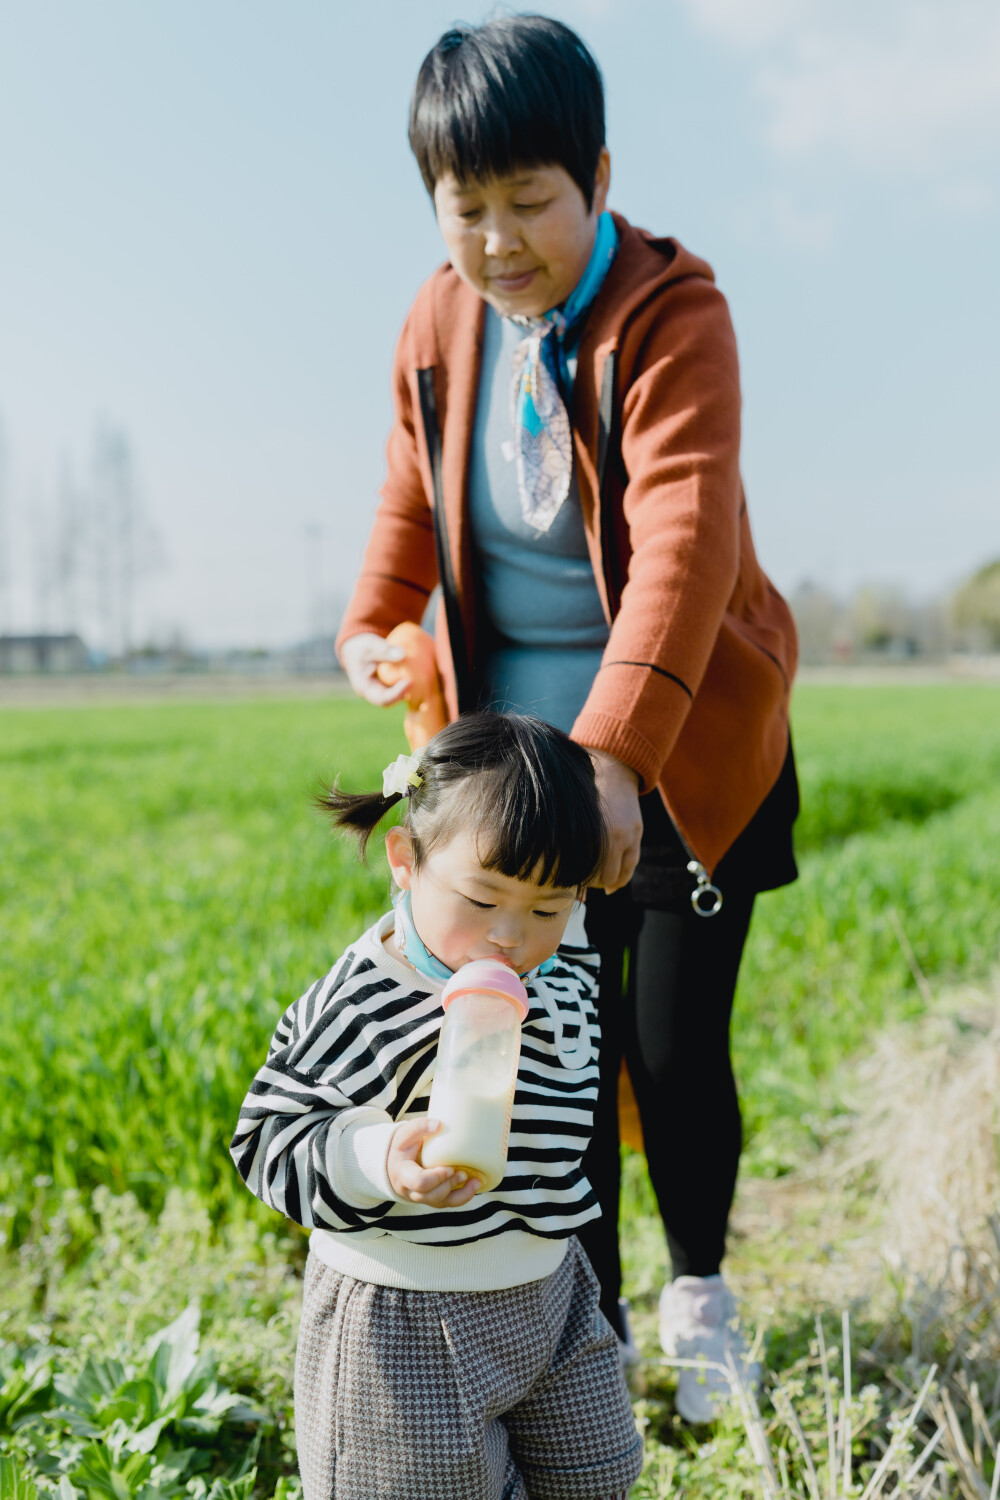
706, 898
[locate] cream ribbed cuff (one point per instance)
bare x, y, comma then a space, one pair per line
360, 1176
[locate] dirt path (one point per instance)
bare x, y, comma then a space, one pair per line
100, 688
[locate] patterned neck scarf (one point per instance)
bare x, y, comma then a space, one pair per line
409, 943
542, 380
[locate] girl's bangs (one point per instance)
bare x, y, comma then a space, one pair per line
530, 832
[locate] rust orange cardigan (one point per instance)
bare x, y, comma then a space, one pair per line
692, 692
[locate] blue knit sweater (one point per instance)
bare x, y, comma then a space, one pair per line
538, 593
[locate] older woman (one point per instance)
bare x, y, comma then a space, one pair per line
564, 465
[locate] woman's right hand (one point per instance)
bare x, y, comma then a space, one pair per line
360, 656
618, 789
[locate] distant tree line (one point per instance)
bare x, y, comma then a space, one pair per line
74, 557
882, 620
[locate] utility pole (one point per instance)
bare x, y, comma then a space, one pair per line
67, 549
121, 458
43, 559
115, 536
102, 542
314, 579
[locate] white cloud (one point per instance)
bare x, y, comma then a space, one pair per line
780, 216
805, 228
752, 23
599, 10
912, 84
967, 196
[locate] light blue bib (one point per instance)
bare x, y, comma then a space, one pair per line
410, 944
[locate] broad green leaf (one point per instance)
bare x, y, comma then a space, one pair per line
173, 1351
146, 1439
97, 1380
173, 1466
98, 1469
15, 1483
26, 1378
234, 1489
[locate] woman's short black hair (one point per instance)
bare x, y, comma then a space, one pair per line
518, 91
524, 788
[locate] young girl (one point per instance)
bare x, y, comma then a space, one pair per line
451, 1342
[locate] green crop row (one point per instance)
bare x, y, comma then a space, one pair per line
868, 756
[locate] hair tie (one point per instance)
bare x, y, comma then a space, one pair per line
402, 777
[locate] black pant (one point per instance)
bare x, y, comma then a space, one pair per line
666, 995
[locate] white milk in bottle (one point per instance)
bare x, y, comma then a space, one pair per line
476, 1070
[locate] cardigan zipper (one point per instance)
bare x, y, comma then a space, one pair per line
446, 573
706, 898
605, 436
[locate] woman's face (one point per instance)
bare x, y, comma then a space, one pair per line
522, 241
462, 911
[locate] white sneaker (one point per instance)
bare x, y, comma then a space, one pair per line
628, 1351
698, 1321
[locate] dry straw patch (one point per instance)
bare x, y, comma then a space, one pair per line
930, 1127
897, 1223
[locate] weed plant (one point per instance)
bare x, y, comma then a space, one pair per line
97, 1399
150, 1428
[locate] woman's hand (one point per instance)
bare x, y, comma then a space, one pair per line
441, 1187
359, 657
618, 786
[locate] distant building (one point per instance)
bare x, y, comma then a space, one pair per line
315, 657
24, 654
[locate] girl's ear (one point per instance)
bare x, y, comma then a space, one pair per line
399, 853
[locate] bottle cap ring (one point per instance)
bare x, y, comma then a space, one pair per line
486, 976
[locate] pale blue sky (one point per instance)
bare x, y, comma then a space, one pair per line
211, 228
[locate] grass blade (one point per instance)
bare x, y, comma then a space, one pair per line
831, 1425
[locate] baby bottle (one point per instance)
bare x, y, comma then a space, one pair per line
476, 1071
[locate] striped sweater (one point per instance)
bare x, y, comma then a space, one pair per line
353, 1057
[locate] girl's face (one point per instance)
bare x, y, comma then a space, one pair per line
522, 242
462, 912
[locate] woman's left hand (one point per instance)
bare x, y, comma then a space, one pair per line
618, 786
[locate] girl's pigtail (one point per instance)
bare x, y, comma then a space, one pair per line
357, 813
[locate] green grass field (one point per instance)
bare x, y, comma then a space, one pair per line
166, 890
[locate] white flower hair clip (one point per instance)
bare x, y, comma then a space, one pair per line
399, 779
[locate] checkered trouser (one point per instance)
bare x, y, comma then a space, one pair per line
509, 1395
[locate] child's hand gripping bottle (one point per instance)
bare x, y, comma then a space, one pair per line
424, 698
476, 1071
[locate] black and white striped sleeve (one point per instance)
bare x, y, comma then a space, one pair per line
314, 1129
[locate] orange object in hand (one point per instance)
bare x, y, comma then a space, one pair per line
629, 1124
424, 698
